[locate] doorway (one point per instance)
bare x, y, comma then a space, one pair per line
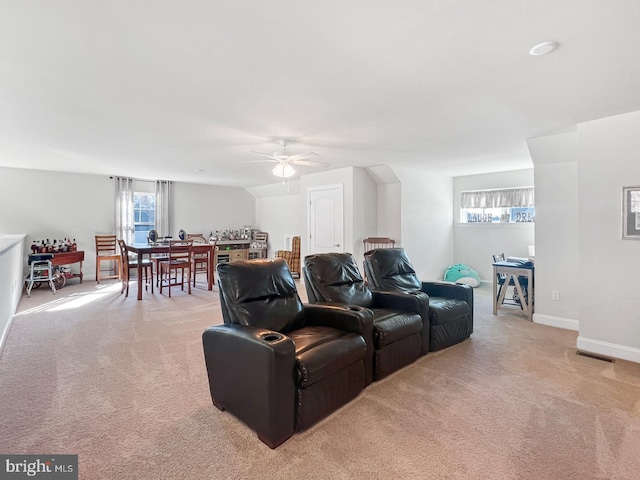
325, 216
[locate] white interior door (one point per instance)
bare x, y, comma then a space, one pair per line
326, 219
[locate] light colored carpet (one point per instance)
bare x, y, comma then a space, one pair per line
123, 384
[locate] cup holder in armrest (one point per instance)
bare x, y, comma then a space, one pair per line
271, 337
354, 308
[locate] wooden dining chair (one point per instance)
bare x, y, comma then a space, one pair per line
128, 264
177, 269
373, 243
107, 251
200, 260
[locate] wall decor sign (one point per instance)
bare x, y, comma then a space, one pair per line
631, 212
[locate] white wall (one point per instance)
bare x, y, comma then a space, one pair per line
11, 280
54, 205
582, 173
426, 221
389, 215
557, 258
205, 208
57, 205
476, 243
280, 211
365, 205
609, 153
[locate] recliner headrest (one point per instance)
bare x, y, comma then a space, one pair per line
390, 269
259, 293
334, 277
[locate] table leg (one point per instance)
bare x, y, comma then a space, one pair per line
495, 291
210, 256
139, 274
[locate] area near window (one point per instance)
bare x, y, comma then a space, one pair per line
504, 205
144, 215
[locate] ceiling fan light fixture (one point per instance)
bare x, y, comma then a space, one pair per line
283, 170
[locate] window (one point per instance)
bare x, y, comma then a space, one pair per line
144, 215
505, 205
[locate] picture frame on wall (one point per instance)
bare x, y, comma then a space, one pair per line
631, 213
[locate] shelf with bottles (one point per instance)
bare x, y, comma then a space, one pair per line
54, 246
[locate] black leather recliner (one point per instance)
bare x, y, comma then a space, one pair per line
279, 365
334, 278
450, 304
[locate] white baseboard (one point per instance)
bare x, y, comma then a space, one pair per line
608, 349
560, 322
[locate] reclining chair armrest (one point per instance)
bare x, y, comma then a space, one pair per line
449, 290
352, 318
417, 302
251, 374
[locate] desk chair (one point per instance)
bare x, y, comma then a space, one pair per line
106, 251
502, 283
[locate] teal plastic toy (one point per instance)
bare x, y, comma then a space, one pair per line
461, 273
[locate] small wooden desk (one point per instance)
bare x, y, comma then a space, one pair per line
142, 249
513, 271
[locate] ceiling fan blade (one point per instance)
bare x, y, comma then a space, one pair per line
310, 163
303, 156
260, 161
268, 156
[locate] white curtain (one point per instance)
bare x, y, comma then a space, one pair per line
163, 198
504, 197
124, 209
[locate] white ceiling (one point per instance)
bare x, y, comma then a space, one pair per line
160, 89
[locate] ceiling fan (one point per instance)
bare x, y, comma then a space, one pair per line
285, 161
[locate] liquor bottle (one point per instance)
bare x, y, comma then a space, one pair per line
74, 245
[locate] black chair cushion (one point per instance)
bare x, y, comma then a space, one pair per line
391, 270
337, 279
390, 326
264, 297
443, 310
322, 351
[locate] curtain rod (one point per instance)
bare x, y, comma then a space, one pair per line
111, 177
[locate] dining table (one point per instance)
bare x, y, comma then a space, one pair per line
142, 249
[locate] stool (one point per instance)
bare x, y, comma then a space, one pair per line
106, 252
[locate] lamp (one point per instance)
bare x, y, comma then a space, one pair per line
283, 170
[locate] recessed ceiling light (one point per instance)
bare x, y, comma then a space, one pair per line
543, 48
199, 170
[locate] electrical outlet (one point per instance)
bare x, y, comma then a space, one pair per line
555, 294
